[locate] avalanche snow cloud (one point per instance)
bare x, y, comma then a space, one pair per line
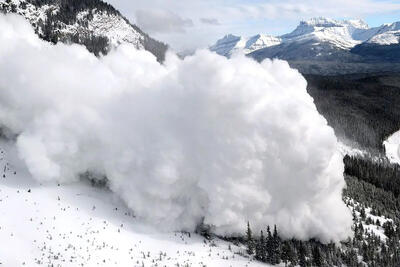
204, 139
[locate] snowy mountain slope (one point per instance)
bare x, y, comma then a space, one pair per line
382, 46
231, 43
80, 225
346, 149
319, 39
338, 33
383, 32
392, 147
93, 23
386, 38
369, 228
227, 45
369, 33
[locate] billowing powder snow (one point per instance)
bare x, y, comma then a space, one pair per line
204, 139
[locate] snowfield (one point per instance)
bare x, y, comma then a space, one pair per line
392, 147
80, 225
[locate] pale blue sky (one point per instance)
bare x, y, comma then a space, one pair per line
190, 24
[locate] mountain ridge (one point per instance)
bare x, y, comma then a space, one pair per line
93, 23
320, 39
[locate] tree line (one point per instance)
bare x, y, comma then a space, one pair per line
366, 248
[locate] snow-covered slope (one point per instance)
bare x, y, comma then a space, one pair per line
351, 151
369, 227
95, 24
392, 147
338, 33
315, 39
260, 41
81, 225
386, 38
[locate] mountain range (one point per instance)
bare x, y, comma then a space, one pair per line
322, 40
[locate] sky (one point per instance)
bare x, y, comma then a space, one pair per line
191, 24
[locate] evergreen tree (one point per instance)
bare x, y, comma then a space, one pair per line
317, 257
302, 255
260, 248
249, 240
276, 247
269, 246
287, 253
351, 258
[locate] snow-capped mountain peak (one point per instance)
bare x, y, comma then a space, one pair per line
320, 22
226, 45
314, 39
231, 43
260, 41
357, 24
337, 31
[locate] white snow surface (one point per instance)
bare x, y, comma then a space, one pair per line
386, 38
377, 230
79, 225
392, 147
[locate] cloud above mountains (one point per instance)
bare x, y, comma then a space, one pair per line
210, 21
204, 139
161, 21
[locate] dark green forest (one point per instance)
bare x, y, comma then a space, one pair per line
363, 109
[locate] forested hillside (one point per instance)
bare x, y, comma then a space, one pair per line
362, 108
375, 242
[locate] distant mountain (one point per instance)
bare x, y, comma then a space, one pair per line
231, 43
383, 46
322, 39
92, 23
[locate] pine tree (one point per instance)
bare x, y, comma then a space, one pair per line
287, 253
276, 247
302, 255
269, 246
362, 214
260, 248
317, 257
249, 240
